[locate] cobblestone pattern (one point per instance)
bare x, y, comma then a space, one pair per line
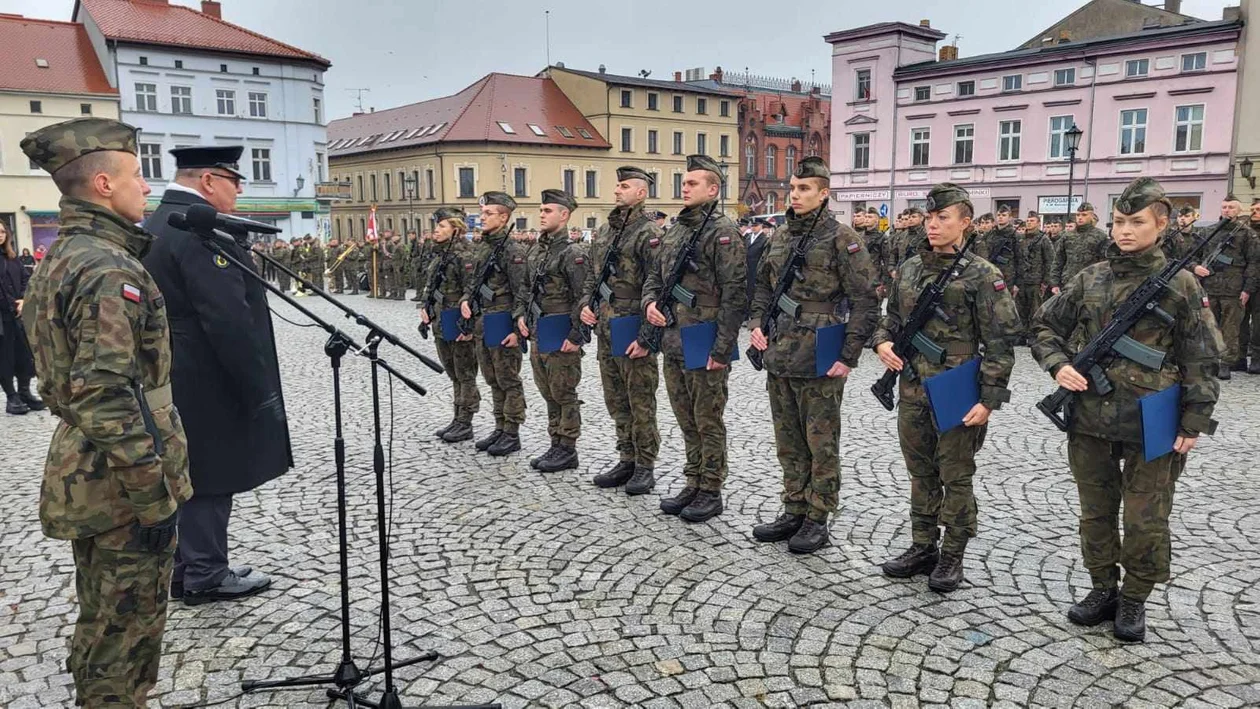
540, 590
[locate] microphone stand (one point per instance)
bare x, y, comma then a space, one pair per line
347, 674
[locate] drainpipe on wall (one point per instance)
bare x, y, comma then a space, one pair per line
1089, 151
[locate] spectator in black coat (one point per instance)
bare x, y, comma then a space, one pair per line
757, 240
16, 362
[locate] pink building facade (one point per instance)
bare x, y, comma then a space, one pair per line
1157, 103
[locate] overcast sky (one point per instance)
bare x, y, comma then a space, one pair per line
411, 50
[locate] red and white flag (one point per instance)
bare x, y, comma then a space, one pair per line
371, 225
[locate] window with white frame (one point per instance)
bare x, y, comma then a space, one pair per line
653, 101
226, 101
964, 143
319, 111
724, 146
262, 164
146, 97
652, 141
702, 143
627, 140
678, 104
772, 160
1009, 139
702, 106
861, 151
591, 183
678, 185
627, 98
1136, 68
862, 85
569, 179
1059, 126
181, 100
1194, 62
257, 104
772, 203
789, 161
1133, 131
967, 88
1189, 128
750, 158
151, 160
920, 139
678, 142
518, 182
467, 182
1065, 77
922, 93
1013, 82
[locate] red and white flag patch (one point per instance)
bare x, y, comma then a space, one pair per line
1206, 303
579, 260
724, 240
999, 285
132, 293
654, 243
854, 247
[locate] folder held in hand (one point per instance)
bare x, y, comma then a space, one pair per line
553, 330
697, 343
953, 393
1161, 420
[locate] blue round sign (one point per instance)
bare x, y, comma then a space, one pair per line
883, 210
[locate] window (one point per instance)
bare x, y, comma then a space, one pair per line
144, 61
537, 130
626, 96
678, 142
702, 143
789, 161
564, 131
37, 106
678, 185
1065, 77
151, 161
964, 143
724, 109
257, 71
570, 176
702, 106
750, 159
223, 69
654, 100
506, 128
360, 188
862, 85
371, 179
772, 161
651, 146
920, 139
656, 177
585, 134
518, 182
181, 100
1136, 68
226, 101
522, 223
861, 151
319, 168
405, 190
467, 182
319, 111
772, 203
678, 103
724, 146
428, 184
85, 109
1008, 139
922, 93
1194, 62
146, 97
179, 63
966, 88
389, 187
1133, 131
590, 183
257, 104
1059, 126
627, 140
1189, 135
1014, 82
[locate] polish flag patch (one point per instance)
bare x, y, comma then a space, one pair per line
853, 248
654, 243
724, 240
999, 285
468, 267
579, 260
1206, 303
132, 293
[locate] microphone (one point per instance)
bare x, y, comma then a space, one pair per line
203, 216
181, 222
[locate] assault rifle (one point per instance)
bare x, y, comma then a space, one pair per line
481, 290
673, 292
432, 304
780, 303
911, 338
603, 292
1111, 342
1217, 254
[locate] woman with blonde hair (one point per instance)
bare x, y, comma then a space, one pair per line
16, 361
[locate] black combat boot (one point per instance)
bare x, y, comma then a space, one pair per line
442, 431
785, 527
533, 462
565, 458
1098, 606
615, 476
703, 508
14, 405
1130, 620
459, 432
918, 559
507, 443
1222, 372
948, 574
674, 505
485, 443
1254, 367
642, 482
811, 537
28, 397
416, 298
1239, 365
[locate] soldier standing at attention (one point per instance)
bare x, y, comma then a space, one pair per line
913, 240
629, 378
1084, 246
1181, 235
117, 467
877, 248
284, 256
402, 252
720, 283
806, 407
501, 366
982, 323
1230, 285
450, 251
1001, 247
319, 261
1038, 258
334, 252
1106, 430
562, 266
422, 249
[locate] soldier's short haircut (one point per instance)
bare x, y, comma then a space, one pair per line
1159, 209
75, 178
964, 209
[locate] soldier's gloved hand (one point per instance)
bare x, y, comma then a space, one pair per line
156, 538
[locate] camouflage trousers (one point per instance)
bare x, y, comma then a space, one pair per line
283, 281
459, 359
117, 642
557, 376
1146, 491
343, 278
698, 398
400, 282
630, 395
1249, 330
1028, 301
501, 368
1229, 316
941, 468
317, 277
806, 416
384, 279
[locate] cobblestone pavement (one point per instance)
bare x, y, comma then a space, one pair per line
540, 590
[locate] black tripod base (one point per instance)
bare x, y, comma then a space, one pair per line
391, 701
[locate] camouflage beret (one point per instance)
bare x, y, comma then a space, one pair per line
1085, 207
812, 166
501, 199
1140, 194
630, 172
53, 147
444, 213
945, 194
704, 162
559, 197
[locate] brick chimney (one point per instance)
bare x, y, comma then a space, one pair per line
678, 76
948, 53
1173, 6
212, 8
925, 23
1064, 36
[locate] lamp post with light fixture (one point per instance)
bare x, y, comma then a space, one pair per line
1071, 142
1244, 168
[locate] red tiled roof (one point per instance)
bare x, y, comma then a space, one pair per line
157, 22
73, 67
472, 115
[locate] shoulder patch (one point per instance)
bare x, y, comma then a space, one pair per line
220, 261
518, 259
724, 240
999, 285
579, 260
853, 248
1206, 303
654, 242
132, 293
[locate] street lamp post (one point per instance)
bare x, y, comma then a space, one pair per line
722, 189
409, 183
1072, 141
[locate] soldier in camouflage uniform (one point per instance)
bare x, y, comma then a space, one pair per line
981, 324
630, 379
1230, 281
1181, 235
1249, 343
284, 256
913, 239
318, 262
1001, 247
1054, 228
501, 366
1106, 430
557, 267
1038, 258
362, 258
419, 261
117, 466
1084, 246
836, 275
720, 282
400, 264
877, 248
444, 283
334, 252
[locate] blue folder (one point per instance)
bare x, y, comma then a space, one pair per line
552, 332
495, 327
953, 393
827, 348
450, 324
1161, 420
697, 343
625, 330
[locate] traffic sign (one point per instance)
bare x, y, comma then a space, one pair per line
883, 210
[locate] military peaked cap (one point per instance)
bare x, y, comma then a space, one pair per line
53, 147
630, 172
224, 157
